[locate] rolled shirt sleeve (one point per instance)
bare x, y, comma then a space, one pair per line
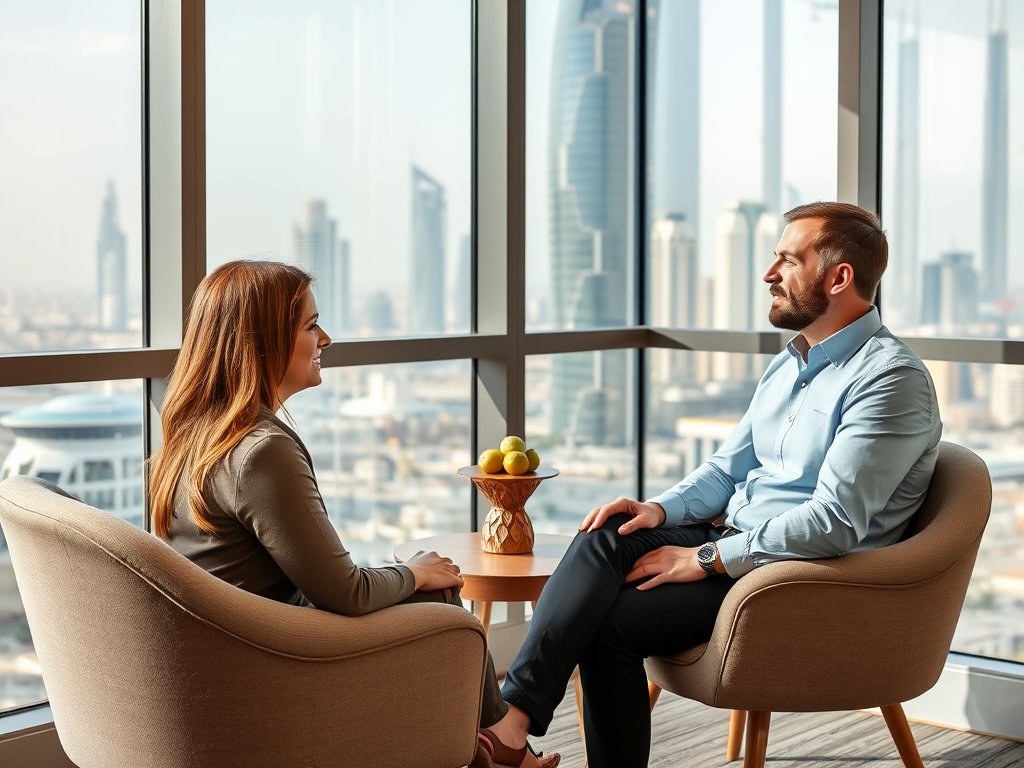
703, 494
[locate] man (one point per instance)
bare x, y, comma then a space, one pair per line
834, 454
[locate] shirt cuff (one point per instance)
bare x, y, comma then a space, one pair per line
674, 506
735, 553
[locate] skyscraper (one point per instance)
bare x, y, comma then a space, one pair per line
772, 178
111, 268
318, 250
588, 175
674, 278
673, 272
673, 160
950, 291
907, 275
995, 180
461, 289
426, 274
745, 236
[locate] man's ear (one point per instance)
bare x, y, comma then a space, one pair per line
842, 279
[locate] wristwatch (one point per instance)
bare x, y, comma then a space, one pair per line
706, 557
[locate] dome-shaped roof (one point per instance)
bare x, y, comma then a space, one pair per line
79, 416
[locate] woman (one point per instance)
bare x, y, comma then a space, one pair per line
233, 488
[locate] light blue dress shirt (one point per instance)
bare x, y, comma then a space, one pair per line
833, 455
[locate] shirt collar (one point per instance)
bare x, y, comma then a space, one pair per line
841, 345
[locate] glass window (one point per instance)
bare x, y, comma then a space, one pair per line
982, 407
952, 174
694, 402
580, 411
338, 139
386, 443
70, 175
579, 163
742, 127
47, 431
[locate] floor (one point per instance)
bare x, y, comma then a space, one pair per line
686, 733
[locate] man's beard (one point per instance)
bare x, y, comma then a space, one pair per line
799, 312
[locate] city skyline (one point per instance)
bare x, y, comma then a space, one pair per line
111, 268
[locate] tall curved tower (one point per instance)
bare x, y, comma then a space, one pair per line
589, 177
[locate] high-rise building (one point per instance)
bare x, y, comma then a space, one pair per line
380, 314
949, 295
745, 237
1006, 403
673, 294
673, 161
461, 289
590, 153
673, 261
906, 275
427, 275
995, 191
772, 160
318, 250
111, 268
766, 238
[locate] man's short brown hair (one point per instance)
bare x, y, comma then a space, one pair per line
848, 235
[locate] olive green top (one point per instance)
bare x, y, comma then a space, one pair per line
274, 538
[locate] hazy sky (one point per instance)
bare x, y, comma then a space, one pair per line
335, 99
70, 111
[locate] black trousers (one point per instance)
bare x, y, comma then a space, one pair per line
588, 616
492, 707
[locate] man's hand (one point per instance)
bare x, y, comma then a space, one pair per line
644, 514
666, 565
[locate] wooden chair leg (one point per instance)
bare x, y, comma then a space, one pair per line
737, 721
902, 735
653, 692
757, 739
578, 686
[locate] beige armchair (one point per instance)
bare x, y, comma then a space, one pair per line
870, 629
150, 661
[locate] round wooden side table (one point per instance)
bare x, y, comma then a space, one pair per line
492, 578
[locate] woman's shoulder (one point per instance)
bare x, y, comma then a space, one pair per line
270, 443
269, 439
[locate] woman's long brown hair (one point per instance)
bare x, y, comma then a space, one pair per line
241, 329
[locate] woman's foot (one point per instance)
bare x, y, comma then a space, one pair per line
504, 744
541, 761
492, 753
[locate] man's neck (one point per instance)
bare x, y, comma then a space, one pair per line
830, 323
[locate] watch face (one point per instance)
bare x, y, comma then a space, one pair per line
706, 555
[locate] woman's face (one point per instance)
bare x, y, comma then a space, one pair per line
304, 366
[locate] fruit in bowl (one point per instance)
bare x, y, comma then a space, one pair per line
511, 457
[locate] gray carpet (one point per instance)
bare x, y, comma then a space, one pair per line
686, 733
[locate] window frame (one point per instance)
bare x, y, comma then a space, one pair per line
174, 223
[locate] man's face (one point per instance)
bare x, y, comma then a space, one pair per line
799, 290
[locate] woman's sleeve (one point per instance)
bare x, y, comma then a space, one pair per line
277, 499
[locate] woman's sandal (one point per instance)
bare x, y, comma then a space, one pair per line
492, 753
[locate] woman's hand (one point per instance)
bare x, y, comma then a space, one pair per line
433, 572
